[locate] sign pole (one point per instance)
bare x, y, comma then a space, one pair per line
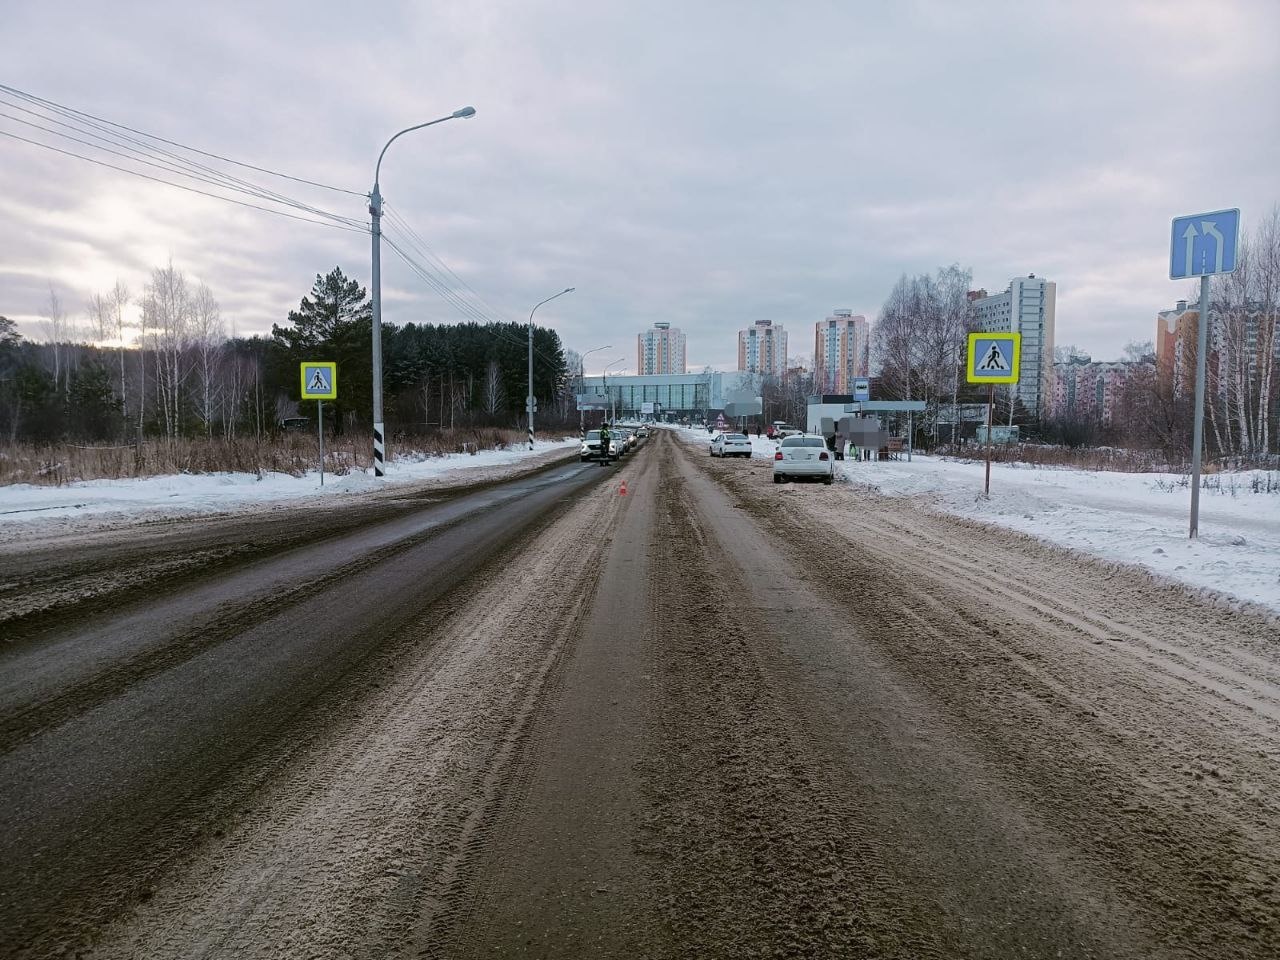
991, 400
1197, 433
320, 421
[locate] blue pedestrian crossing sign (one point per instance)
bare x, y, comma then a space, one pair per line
1204, 244
319, 380
994, 357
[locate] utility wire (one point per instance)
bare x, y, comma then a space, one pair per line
181, 186
173, 143
472, 313
180, 165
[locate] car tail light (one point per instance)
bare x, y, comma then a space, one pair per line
778, 455
822, 455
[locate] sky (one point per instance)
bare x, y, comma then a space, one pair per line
707, 164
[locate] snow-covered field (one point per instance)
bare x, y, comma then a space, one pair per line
26, 509
1138, 518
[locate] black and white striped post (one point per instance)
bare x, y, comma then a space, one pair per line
529, 402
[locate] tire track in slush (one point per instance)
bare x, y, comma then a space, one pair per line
1164, 786
361, 847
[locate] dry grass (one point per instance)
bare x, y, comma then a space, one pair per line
291, 453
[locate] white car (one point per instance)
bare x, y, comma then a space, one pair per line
730, 445
803, 456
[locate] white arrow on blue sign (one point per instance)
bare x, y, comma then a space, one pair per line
1204, 244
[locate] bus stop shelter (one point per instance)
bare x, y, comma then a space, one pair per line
883, 408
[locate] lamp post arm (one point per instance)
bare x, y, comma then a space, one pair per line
378, 169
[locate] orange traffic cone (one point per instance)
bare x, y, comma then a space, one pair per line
622, 491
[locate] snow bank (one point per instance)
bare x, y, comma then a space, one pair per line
25, 505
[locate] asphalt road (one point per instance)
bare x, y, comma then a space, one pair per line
710, 718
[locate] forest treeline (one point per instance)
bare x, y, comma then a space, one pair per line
180, 375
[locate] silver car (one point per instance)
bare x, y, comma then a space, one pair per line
803, 456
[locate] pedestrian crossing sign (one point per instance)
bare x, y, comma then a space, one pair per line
994, 357
319, 380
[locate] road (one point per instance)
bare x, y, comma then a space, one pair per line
710, 718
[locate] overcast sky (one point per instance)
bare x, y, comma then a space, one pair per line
704, 163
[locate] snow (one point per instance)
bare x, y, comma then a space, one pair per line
1136, 518
24, 507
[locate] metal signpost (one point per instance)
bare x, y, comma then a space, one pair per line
993, 358
1202, 245
320, 383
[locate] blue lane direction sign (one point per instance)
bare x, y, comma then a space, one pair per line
994, 357
319, 380
1204, 244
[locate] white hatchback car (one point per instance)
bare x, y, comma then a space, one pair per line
730, 445
803, 456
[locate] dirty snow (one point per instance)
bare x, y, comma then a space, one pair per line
26, 506
1138, 518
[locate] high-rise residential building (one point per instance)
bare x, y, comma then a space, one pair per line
1239, 345
762, 348
1088, 390
1026, 307
841, 351
660, 351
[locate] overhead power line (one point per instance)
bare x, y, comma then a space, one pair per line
173, 143
180, 186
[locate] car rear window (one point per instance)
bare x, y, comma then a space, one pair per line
803, 442
734, 436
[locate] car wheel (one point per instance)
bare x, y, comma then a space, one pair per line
826, 481
777, 478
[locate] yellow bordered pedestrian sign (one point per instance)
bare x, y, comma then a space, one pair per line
994, 357
319, 380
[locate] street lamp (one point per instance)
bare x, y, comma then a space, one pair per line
375, 208
529, 399
582, 384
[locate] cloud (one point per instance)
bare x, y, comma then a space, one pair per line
709, 164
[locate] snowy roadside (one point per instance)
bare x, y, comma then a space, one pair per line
1137, 518
28, 510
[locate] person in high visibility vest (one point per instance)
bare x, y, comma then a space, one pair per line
604, 444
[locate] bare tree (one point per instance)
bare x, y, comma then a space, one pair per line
54, 326
495, 397
207, 336
167, 313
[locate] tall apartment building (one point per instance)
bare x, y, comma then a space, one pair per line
660, 351
1177, 333
841, 351
762, 348
1090, 390
1026, 307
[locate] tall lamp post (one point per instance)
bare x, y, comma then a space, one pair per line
375, 209
582, 384
529, 399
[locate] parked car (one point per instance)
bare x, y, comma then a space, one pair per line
590, 449
730, 445
780, 430
803, 457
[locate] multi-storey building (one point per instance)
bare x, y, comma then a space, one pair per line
1237, 342
1176, 332
762, 348
660, 351
1084, 389
841, 351
1026, 307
